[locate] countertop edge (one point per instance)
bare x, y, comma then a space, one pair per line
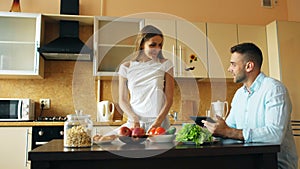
54, 123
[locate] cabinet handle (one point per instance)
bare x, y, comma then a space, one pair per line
26, 148
180, 60
174, 60
37, 55
1, 62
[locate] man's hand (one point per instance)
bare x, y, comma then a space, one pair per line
221, 129
217, 128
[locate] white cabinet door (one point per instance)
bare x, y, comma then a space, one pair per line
19, 40
184, 40
283, 48
15, 143
168, 29
221, 37
192, 49
114, 43
257, 35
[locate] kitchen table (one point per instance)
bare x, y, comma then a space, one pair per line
225, 154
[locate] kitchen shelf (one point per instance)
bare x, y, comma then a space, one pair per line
82, 19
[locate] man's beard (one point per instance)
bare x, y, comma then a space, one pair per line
239, 78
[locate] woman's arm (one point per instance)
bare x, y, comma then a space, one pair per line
169, 92
124, 102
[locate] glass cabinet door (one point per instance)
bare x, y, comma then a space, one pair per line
20, 37
114, 39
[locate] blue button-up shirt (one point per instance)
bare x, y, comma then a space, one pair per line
264, 115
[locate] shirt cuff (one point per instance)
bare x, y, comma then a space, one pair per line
247, 134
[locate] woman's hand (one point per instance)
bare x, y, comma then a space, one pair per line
136, 124
154, 125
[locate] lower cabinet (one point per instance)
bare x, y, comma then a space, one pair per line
15, 143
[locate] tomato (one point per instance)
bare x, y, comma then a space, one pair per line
159, 131
152, 131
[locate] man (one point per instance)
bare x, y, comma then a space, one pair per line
260, 109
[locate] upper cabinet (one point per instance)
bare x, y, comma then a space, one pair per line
192, 49
198, 50
19, 40
184, 45
221, 37
257, 35
114, 40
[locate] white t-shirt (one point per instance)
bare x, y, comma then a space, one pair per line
146, 87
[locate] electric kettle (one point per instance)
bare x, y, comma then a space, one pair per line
104, 114
218, 107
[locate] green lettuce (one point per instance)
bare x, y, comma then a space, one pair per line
194, 133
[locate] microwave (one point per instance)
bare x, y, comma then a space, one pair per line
17, 109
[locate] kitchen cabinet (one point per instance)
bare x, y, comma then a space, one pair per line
15, 143
19, 40
114, 42
283, 39
283, 47
257, 35
183, 42
221, 37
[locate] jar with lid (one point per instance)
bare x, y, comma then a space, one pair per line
78, 130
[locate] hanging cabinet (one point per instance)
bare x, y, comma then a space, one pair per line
257, 35
221, 37
19, 40
113, 42
183, 41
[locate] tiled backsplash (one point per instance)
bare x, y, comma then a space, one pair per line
70, 85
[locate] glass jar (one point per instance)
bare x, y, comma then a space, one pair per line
78, 130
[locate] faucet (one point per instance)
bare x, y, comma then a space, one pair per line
173, 114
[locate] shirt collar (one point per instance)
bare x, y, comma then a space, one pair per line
256, 84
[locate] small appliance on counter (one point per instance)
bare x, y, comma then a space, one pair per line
105, 111
17, 109
219, 108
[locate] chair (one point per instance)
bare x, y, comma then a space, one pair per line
296, 127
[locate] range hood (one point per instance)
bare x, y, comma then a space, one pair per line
67, 46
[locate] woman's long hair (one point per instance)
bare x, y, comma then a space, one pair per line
144, 35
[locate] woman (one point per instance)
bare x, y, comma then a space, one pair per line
146, 83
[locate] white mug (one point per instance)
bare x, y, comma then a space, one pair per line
218, 108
